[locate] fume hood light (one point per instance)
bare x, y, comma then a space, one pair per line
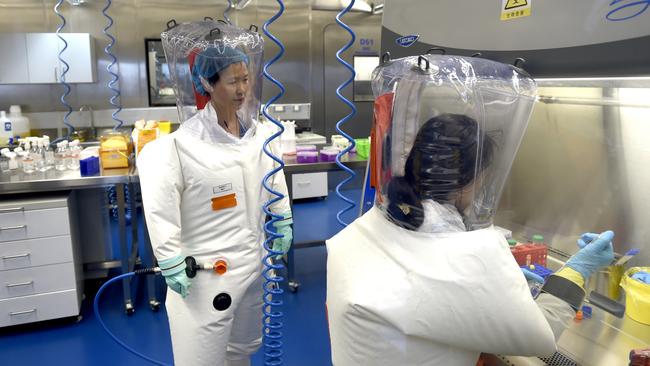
597, 82
338, 5
76, 2
241, 4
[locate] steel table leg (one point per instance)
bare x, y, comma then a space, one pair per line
126, 283
291, 266
150, 261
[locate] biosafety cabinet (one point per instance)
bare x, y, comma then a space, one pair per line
582, 163
40, 267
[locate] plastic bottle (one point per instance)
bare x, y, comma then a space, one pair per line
538, 239
72, 160
28, 160
48, 154
60, 155
20, 123
6, 129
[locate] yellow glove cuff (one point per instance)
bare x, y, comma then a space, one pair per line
571, 275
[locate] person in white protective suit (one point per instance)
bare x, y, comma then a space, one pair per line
203, 196
423, 278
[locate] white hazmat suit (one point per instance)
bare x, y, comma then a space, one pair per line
401, 297
180, 174
203, 195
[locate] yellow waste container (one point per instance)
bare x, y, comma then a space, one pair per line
637, 296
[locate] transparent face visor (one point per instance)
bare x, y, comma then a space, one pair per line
216, 64
450, 135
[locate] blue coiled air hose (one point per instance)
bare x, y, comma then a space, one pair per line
227, 11
66, 67
272, 315
115, 98
351, 172
99, 317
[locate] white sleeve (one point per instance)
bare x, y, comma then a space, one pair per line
558, 313
161, 183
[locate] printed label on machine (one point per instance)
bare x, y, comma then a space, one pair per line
407, 41
512, 9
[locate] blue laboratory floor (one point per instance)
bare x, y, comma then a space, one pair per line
306, 340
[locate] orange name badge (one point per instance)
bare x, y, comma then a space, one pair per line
223, 202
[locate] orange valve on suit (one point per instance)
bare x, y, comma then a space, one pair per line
220, 267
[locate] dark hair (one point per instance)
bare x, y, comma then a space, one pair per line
213, 80
404, 206
443, 160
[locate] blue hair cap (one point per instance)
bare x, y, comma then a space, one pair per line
212, 61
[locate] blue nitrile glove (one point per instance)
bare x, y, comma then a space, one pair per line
174, 272
283, 227
642, 276
532, 276
596, 252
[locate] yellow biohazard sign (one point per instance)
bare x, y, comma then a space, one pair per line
512, 9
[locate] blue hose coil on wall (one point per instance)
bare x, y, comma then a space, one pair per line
111, 194
115, 102
227, 11
115, 98
272, 315
351, 172
66, 67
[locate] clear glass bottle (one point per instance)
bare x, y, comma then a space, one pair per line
39, 156
13, 161
72, 161
28, 160
4, 160
19, 156
48, 153
60, 155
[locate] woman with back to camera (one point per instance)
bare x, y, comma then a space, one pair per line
423, 278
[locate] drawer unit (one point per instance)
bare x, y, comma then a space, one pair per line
309, 185
37, 280
27, 309
40, 271
35, 223
35, 252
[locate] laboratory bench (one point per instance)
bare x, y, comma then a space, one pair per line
307, 180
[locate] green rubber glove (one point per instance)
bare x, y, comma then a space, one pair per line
283, 227
174, 272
